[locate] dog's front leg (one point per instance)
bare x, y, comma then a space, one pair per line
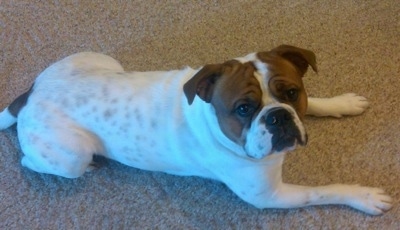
373, 201
260, 184
346, 104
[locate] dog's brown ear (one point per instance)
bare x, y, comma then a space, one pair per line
301, 58
202, 83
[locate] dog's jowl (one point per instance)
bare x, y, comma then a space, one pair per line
231, 122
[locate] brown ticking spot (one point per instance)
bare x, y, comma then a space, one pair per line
153, 124
135, 159
54, 163
108, 113
105, 91
81, 101
65, 102
47, 146
138, 117
123, 128
115, 100
33, 138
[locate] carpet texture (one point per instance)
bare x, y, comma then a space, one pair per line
358, 50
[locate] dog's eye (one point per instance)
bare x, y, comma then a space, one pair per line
244, 110
292, 94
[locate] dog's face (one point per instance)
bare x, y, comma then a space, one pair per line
259, 100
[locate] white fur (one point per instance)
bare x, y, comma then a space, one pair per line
86, 104
6, 119
346, 104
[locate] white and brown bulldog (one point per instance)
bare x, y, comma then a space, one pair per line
231, 122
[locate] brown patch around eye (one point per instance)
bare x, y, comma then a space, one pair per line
284, 91
278, 88
289, 93
236, 99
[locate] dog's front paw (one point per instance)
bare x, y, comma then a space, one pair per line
373, 201
349, 104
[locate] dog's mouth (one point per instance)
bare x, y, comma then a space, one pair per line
288, 142
279, 144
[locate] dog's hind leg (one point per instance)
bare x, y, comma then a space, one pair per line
346, 104
63, 150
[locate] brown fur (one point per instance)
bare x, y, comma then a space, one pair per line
19, 102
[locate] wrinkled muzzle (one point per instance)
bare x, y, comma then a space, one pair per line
276, 129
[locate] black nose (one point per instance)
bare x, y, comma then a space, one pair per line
278, 117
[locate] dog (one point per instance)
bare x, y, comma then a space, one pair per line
232, 122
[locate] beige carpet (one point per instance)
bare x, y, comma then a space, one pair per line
358, 50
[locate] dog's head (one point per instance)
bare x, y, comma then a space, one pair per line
259, 100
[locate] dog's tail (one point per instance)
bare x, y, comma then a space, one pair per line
9, 115
6, 119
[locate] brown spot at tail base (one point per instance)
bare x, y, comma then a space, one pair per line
19, 102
